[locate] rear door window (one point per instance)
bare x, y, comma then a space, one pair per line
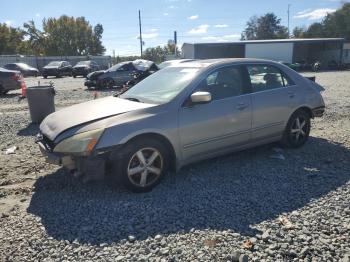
264, 77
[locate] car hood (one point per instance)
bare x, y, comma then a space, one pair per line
95, 75
64, 119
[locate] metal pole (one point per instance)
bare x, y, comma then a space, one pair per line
175, 43
140, 32
288, 20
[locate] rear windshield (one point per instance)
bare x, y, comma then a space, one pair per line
83, 63
55, 63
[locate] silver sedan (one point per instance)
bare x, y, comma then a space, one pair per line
184, 113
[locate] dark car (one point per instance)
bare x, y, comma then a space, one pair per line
83, 68
9, 80
57, 69
25, 69
120, 74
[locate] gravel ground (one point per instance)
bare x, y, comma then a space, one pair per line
246, 206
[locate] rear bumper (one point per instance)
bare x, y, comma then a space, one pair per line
318, 111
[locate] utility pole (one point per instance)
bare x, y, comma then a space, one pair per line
288, 12
175, 43
140, 33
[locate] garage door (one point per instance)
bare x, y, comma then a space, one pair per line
272, 51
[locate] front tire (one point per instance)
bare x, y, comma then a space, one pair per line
297, 130
141, 165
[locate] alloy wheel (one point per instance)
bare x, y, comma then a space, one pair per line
299, 129
145, 167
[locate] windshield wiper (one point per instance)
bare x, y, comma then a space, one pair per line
133, 99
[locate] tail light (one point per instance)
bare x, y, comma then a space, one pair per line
16, 77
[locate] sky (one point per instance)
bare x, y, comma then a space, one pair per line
194, 20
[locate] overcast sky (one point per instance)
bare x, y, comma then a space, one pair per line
194, 20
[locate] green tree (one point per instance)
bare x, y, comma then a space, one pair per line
336, 24
11, 40
65, 36
267, 26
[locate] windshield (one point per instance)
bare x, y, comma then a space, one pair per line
116, 67
83, 63
162, 86
54, 64
22, 65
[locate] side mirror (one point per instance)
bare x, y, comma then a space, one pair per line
200, 97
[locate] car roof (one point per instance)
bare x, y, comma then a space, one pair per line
220, 61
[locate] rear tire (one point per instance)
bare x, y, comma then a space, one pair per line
140, 165
45, 76
297, 130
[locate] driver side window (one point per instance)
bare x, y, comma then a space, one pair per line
223, 83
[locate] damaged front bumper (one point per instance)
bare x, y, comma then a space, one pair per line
92, 167
56, 158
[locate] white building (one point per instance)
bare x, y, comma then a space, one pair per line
285, 50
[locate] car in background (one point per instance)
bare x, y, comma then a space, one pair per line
130, 72
57, 69
173, 62
10, 80
295, 66
180, 115
83, 68
26, 70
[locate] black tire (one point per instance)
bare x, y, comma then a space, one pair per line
45, 76
127, 159
75, 76
300, 120
108, 83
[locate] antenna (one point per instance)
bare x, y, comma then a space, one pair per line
140, 33
288, 12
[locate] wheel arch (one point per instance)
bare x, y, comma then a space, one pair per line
164, 140
305, 109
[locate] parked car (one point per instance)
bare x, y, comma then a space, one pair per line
182, 114
173, 62
127, 72
9, 80
294, 66
83, 68
57, 68
26, 70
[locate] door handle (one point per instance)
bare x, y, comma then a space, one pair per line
291, 94
241, 106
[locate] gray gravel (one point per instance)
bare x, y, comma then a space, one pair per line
243, 207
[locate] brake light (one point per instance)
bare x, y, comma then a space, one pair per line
16, 77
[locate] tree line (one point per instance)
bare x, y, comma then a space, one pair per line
268, 26
63, 36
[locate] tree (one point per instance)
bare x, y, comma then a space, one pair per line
336, 24
11, 40
267, 26
65, 36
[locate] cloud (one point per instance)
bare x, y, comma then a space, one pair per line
199, 30
314, 14
148, 36
172, 7
8, 22
153, 30
37, 15
165, 14
221, 26
193, 17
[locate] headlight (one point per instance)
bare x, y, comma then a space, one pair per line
82, 143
